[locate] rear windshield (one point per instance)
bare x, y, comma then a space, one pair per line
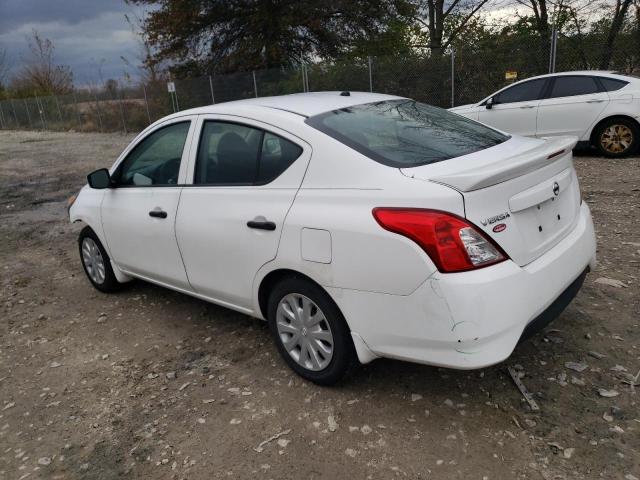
405, 133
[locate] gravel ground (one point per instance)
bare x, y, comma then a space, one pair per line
150, 383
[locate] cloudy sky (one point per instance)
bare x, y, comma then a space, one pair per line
86, 33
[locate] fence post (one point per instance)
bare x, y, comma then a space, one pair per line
370, 76
255, 84
553, 49
58, 107
75, 102
41, 112
124, 125
213, 99
26, 107
98, 111
1, 116
146, 102
15, 115
453, 78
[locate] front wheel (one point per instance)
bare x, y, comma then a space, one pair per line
310, 331
617, 137
96, 262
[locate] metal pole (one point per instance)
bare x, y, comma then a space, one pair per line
304, 88
146, 102
453, 81
75, 102
40, 107
306, 78
370, 76
175, 93
213, 99
1, 116
124, 125
28, 114
58, 107
553, 49
15, 115
98, 111
255, 84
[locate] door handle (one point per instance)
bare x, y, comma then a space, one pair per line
261, 225
158, 214
594, 101
528, 106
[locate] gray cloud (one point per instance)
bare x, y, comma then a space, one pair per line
86, 33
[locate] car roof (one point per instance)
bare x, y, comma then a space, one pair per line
304, 104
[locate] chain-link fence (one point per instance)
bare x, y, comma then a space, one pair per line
459, 77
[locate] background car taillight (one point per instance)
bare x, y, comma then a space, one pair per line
451, 242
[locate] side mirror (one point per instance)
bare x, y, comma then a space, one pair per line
99, 179
489, 103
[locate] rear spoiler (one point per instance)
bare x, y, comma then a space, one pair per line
510, 167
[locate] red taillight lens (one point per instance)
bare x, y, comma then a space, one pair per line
451, 242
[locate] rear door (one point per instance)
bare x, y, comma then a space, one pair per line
139, 213
243, 178
514, 110
574, 104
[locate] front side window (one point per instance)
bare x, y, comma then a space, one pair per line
523, 92
235, 154
569, 86
156, 159
405, 133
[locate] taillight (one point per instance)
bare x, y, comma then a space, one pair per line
451, 242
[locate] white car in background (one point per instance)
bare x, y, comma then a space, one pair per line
358, 225
599, 108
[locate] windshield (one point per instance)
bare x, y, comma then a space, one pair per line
405, 133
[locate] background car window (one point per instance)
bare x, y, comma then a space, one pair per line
569, 86
405, 133
612, 84
523, 92
234, 154
276, 156
156, 159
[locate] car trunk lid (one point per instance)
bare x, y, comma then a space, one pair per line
524, 193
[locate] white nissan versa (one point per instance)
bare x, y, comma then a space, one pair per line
358, 225
600, 108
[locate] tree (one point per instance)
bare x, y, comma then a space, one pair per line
40, 74
444, 22
231, 35
619, 13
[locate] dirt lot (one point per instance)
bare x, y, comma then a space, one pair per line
153, 384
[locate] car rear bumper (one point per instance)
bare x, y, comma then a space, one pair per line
472, 319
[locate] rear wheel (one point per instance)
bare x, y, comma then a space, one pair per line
617, 137
96, 262
310, 331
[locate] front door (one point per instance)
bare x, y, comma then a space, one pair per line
139, 213
514, 110
229, 223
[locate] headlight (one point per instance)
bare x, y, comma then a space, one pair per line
71, 200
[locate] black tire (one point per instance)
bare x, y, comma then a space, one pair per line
606, 147
110, 284
344, 355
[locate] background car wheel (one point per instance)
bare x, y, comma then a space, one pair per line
310, 331
96, 262
617, 137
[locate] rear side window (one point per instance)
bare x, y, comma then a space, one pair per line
235, 154
612, 84
405, 133
523, 92
569, 86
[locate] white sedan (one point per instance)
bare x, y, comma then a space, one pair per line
358, 225
602, 109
